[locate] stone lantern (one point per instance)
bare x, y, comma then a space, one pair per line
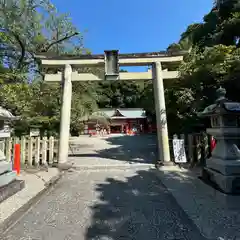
223, 167
6, 174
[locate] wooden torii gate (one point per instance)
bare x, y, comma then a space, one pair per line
111, 60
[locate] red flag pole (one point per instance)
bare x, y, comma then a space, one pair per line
17, 158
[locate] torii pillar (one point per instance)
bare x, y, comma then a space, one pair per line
65, 115
161, 116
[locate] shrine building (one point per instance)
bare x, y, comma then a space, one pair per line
119, 120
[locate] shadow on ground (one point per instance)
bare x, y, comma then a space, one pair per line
138, 207
133, 149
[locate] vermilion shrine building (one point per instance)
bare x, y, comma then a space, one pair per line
121, 120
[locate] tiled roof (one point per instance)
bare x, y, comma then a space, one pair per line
125, 112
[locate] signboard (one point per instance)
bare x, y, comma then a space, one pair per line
5, 132
179, 151
34, 133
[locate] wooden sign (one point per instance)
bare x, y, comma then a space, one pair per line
5, 132
179, 151
34, 133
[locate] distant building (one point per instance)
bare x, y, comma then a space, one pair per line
119, 120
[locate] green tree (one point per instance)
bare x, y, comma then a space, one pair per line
213, 60
28, 27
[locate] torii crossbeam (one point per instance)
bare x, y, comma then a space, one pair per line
69, 65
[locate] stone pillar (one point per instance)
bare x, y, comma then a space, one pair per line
162, 129
65, 116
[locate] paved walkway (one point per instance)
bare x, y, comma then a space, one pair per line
34, 184
112, 195
106, 205
116, 150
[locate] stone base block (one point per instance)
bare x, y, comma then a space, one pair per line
226, 167
10, 189
6, 178
5, 166
159, 164
227, 184
64, 166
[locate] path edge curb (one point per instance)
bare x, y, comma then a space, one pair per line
18, 214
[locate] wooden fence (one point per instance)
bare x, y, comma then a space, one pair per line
197, 147
35, 151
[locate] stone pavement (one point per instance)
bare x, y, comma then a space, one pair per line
113, 151
216, 215
35, 184
113, 192
105, 205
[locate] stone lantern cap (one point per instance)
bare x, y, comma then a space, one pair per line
6, 115
222, 106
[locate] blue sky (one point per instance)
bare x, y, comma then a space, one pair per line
133, 25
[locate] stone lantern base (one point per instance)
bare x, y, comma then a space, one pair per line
8, 183
225, 175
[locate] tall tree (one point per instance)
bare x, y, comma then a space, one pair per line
28, 27
213, 60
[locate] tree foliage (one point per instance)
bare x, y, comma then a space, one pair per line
213, 61
32, 26
119, 94
28, 27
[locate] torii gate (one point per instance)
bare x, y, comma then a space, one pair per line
111, 60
